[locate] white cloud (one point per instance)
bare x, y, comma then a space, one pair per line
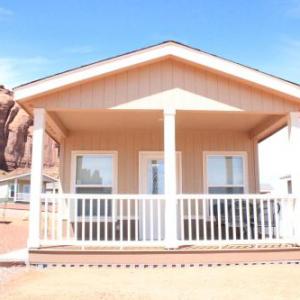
15, 71
5, 13
79, 49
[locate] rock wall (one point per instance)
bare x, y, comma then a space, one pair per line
16, 136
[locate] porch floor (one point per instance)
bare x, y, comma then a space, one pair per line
160, 256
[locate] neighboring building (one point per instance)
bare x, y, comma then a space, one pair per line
266, 188
286, 183
158, 147
15, 185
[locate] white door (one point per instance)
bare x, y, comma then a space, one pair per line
152, 182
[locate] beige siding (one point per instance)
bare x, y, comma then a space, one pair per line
191, 143
180, 84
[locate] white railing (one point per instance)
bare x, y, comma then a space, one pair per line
236, 219
23, 197
139, 220
77, 219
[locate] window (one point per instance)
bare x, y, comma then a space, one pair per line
225, 173
11, 192
26, 188
94, 174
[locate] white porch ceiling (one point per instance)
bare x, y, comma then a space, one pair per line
133, 119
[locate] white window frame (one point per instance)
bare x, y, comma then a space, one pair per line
242, 154
75, 154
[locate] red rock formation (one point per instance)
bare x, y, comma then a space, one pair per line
16, 136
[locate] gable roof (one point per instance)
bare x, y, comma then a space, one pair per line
25, 172
152, 53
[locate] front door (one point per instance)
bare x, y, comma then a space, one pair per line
152, 182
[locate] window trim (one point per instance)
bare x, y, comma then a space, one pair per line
76, 153
242, 154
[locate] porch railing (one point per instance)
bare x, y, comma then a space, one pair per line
236, 219
23, 197
78, 219
139, 220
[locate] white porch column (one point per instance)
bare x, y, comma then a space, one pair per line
36, 177
170, 178
294, 157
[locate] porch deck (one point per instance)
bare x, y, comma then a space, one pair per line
159, 256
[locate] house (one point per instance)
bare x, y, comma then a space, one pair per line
15, 185
158, 151
286, 184
266, 188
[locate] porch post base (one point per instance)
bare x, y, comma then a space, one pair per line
33, 244
171, 246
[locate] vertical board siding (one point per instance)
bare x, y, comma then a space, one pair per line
158, 77
128, 143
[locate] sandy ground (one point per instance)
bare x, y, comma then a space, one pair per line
13, 235
228, 282
13, 226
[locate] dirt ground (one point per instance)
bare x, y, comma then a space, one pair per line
228, 282
13, 234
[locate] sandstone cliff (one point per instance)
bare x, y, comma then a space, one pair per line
16, 136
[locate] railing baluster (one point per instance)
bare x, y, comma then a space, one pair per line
159, 218
128, 219
197, 219
276, 212
46, 219
113, 217
219, 219
204, 219
270, 225
151, 219
53, 218
212, 229
241, 219
226, 219
255, 219
98, 219
189, 219
83, 220
144, 219
91, 219
233, 218
182, 218
262, 218
76, 219
248, 219
136, 222
121, 219
68, 200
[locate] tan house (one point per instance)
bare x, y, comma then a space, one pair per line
15, 185
158, 149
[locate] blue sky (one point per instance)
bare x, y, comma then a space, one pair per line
39, 38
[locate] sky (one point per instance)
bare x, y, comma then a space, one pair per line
39, 38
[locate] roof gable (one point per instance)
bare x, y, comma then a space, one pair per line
153, 53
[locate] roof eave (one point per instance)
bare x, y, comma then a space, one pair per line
169, 48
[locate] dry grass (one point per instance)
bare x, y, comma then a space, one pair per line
233, 282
